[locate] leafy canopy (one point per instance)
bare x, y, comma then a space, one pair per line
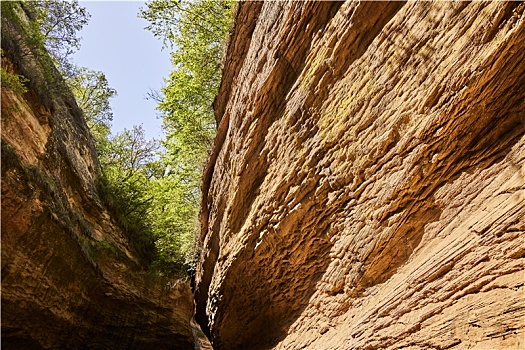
59, 22
195, 31
152, 188
92, 92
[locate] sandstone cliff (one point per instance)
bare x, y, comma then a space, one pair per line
367, 186
70, 276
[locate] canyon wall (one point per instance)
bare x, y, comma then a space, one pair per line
71, 279
366, 188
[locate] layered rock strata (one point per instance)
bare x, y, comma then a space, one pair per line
367, 186
70, 276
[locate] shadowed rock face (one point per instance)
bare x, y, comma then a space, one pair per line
367, 187
70, 278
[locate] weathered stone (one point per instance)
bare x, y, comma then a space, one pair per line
367, 187
70, 276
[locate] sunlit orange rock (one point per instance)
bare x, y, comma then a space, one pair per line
366, 188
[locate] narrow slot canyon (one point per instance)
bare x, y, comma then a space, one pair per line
364, 189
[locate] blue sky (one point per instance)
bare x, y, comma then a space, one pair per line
115, 43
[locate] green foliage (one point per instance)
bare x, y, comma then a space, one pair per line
23, 43
17, 12
174, 215
130, 152
59, 22
152, 191
172, 20
92, 92
127, 160
14, 82
150, 201
196, 31
49, 29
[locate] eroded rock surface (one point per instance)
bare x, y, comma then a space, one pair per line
367, 186
70, 277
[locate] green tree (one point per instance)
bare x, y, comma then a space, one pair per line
196, 32
59, 22
92, 93
128, 162
173, 213
154, 203
131, 153
13, 82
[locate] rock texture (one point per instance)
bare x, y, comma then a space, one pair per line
70, 277
367, 186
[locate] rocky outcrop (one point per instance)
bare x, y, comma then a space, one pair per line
71, 279
367, 187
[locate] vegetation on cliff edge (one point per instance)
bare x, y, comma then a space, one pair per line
151, 186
